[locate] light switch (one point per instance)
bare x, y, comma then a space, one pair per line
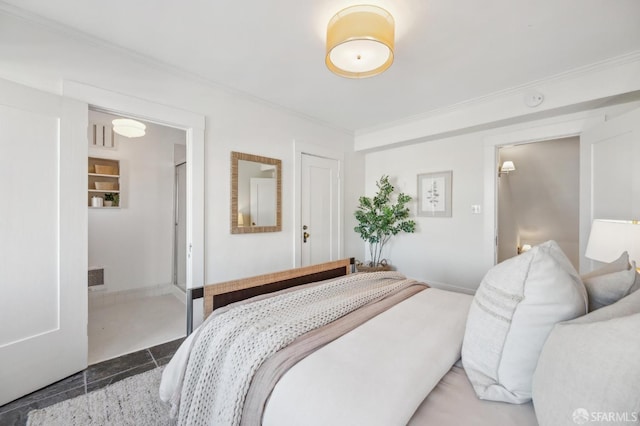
476, 209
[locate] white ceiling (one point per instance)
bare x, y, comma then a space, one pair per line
447, 51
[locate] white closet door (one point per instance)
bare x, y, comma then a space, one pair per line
609, 174
319, 209
43, 239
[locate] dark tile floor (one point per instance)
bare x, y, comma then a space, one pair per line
96, 376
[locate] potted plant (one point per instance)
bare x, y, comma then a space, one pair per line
108, 199
379, 219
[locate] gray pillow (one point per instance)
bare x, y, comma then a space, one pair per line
620, 264
589, 369
608, 288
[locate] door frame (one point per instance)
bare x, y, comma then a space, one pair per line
194, 125
300, 148
176, 212
557, 128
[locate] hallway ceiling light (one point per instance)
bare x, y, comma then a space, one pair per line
360, 41
507, 167
128, 127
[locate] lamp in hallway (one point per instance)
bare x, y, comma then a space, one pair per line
506, 167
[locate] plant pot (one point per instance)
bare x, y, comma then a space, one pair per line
108, 203
382, 266
362, 268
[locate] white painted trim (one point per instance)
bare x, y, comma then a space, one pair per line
300, 148
74, 33
194, 125
555, 128
110, 101
573, 89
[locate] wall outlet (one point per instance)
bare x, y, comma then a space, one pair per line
476, 209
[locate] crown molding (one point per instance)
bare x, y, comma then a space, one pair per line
615, 61
578, 89
176, 71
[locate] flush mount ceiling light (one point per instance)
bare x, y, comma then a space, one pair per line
129, 128
360, 41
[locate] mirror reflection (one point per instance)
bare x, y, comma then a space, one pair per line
255, 193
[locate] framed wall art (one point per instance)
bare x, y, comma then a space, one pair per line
434, 194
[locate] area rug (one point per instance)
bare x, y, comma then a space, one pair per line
131, 401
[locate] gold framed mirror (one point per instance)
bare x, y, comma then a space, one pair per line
256, 194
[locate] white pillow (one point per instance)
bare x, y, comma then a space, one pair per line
590, 366
517, 304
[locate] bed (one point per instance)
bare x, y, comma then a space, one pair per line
380, 350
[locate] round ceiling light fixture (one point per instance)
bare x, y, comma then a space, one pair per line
128, 127
360, 41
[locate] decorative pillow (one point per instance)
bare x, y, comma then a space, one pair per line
517, 304
608, 288
589, 368
620, 264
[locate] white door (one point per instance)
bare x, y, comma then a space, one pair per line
262, 202
609, 174
43, 239
320, 207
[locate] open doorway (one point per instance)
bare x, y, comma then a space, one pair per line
137, 294
540, 199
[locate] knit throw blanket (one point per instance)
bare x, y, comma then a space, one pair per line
232, 346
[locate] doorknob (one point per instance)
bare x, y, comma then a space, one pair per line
305, 234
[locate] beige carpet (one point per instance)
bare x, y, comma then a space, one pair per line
132, 401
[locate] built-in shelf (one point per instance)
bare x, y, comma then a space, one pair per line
103, 175
104, 178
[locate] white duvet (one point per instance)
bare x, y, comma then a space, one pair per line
377, 374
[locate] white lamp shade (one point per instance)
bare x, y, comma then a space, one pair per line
507, 166
610, 238
129, 128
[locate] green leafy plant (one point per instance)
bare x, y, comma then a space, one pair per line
115, 197
379, 218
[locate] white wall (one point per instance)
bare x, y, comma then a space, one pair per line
442, 250
43, 58
452, 252
134, 243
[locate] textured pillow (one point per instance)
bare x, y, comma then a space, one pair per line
620, 264
589, 367
606, 289
517, 304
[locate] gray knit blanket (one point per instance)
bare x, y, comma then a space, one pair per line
232, 346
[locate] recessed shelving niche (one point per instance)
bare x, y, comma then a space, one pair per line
104, 177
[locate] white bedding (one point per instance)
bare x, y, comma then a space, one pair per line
379, 373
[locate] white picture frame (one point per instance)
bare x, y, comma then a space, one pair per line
434, 194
